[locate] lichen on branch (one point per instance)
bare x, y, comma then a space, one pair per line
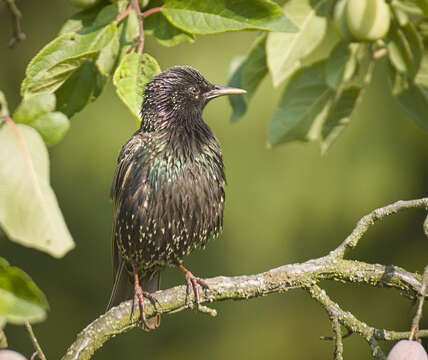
305, 276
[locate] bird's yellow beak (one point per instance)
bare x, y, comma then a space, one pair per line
222, 90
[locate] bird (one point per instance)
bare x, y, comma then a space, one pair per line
168, 188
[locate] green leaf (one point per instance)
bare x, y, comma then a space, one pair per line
82, 88
405, 49
78, 21
129, 31
339, 116
20, 298
108, 56
3, 338
238, 102
422, 75
412, 98
216, 16
52, 127
341, 65
285, 51
423, 5
414, 102
130, 78
164, 32
303, 106
29, 212
57, 61
248, 75
33, 107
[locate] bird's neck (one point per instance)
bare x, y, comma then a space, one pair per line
181, 132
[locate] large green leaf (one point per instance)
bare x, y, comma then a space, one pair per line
129, 31
164, 32
339, 116
108, 55
303, 106
20, 298
78, 21
341, 65
216, 16
248, 75
29, 212
29, 109
51, 126
285, 51
412, 98
80, 89
130, 78
405, 49
57, 61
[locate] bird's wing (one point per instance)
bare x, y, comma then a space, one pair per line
123, 169
124, 164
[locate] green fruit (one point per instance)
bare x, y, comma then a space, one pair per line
340, 22
368, 20
84, 4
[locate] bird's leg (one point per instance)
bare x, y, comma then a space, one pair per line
139, 295
192, 281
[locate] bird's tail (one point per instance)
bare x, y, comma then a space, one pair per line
123, 289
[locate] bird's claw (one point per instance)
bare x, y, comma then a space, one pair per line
192, 282
139, 296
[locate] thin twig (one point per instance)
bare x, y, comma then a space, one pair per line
18, 34
36, 344
418, 315
348, 320
367, 221
338, 339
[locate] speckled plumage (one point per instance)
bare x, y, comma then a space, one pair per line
168, 189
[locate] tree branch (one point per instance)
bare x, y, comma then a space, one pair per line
293, 276
18, 35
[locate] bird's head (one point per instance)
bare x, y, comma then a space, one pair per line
179, 92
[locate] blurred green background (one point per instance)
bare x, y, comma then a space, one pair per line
283, 205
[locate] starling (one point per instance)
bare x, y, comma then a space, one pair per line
168, 189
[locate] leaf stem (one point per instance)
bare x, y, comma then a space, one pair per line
140, 16
123, 15
150, 12
36, 344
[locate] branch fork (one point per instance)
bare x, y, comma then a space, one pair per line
292, 276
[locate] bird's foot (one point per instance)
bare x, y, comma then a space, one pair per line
193, 282
139, 295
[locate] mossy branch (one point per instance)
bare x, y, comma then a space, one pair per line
288, 277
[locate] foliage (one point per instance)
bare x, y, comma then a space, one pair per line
70, 72
319, 98
105, 41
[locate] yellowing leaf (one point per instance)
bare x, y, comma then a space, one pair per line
29, 212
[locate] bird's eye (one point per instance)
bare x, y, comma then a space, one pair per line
193, 90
